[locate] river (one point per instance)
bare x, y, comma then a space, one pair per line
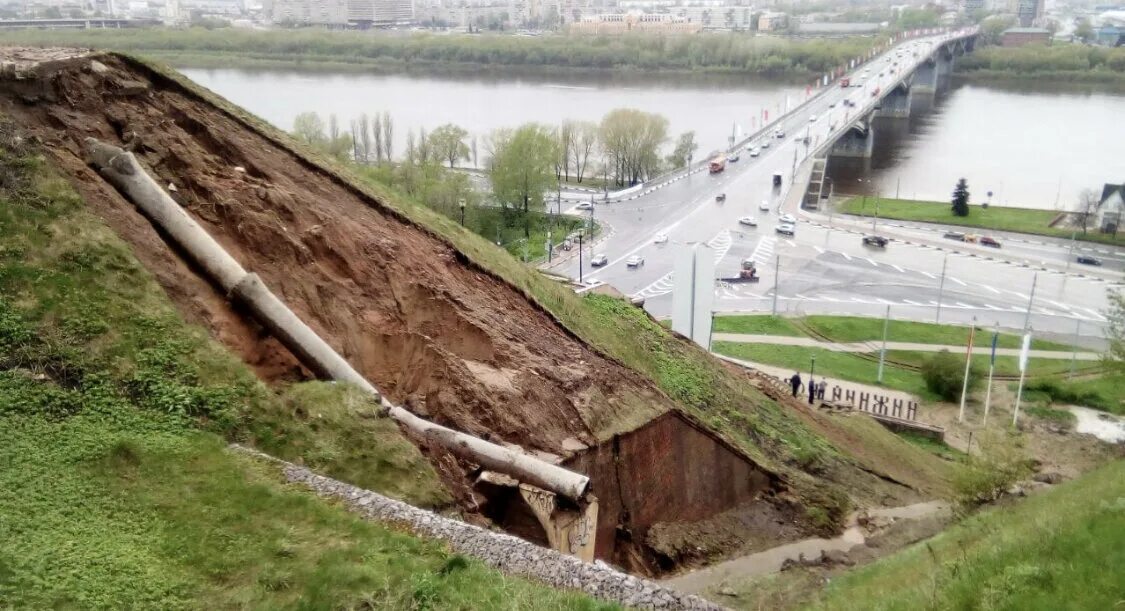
1031, 147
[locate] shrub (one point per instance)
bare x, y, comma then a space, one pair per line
944, 374
1000, 463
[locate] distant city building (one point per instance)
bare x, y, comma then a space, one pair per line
837, 29
717, 16
772, 21
1109, 36
1111, 208
1027, 12
343, 13
1019, 37
620, 23
972, 5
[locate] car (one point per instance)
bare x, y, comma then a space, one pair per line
988, 241
764, 206
749, 221
754, 152
832, 105
786, 229
812, 119
585, 206
749, 146
599, 260
635, 261
733, 157
661, 238
765, 144
1088, 260
875, 240
780, 133
954, 235
880, 74
788, 219
722, 197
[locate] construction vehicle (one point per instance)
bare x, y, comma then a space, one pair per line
748, 273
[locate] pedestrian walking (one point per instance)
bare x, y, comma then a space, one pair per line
821, 389
795, 382
812, 391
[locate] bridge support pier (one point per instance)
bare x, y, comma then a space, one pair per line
896, 104
856, 142
926, 77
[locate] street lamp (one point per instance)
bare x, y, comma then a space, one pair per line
462, 204
579, 255
812, 367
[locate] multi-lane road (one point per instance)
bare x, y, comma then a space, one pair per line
824, 267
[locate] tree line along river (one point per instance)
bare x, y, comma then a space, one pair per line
1031, 147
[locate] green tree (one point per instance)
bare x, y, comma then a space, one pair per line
961, 198
523, 168
1084, 31
308, 128
684, 151
631, 142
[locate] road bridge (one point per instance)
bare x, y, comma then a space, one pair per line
824, 268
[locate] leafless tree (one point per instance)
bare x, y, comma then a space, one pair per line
377, 131
585, 143
365, 135
1087, 208
388, 136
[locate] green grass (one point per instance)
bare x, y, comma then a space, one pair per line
1102, 392
1049, 551
929, 444
756, 325
116, 490
848, 329
1001, 218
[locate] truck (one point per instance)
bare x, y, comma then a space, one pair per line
777, 179
845, 82
718, 164
747, 273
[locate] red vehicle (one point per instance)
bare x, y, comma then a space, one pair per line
718, 164
875, 93
845, 82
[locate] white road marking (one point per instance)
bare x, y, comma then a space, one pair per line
991, 289
847, 256
928, 275
963, 304
898, 268
872, 262
914, 303
819, 250
962, 283
992, 307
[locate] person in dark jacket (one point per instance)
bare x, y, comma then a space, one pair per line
795, 382
812, 391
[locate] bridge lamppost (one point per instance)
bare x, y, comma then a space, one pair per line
462, 204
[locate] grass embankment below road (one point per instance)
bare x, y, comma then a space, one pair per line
1054, 550
996, 218
851, 329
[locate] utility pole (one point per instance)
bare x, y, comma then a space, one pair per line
898, 184
941, 287
776, 275
1030, 299
883, 350
1070, 253
579, 256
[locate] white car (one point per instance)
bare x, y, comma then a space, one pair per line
599, 260
812, 119
660, 238
749, 221
788, 219
786, 229
764, 206
584, 206
754, 152
635, 261
765, 144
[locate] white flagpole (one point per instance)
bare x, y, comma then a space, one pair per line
1023, 373
968, 361
991, 368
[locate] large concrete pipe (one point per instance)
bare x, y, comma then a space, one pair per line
122, 170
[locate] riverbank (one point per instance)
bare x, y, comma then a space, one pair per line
720, 53
1006, 218
1071, 63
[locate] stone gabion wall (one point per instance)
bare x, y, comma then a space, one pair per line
510, 555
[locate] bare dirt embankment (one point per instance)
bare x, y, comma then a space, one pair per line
434, 331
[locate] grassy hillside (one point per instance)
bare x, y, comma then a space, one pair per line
1055, 550
819, 471
115, 488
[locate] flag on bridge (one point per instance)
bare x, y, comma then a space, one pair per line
995, 340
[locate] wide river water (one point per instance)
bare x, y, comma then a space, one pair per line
1035, 148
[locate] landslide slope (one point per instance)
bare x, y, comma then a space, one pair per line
442, 321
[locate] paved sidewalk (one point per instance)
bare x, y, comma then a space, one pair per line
785, 374
874, 346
